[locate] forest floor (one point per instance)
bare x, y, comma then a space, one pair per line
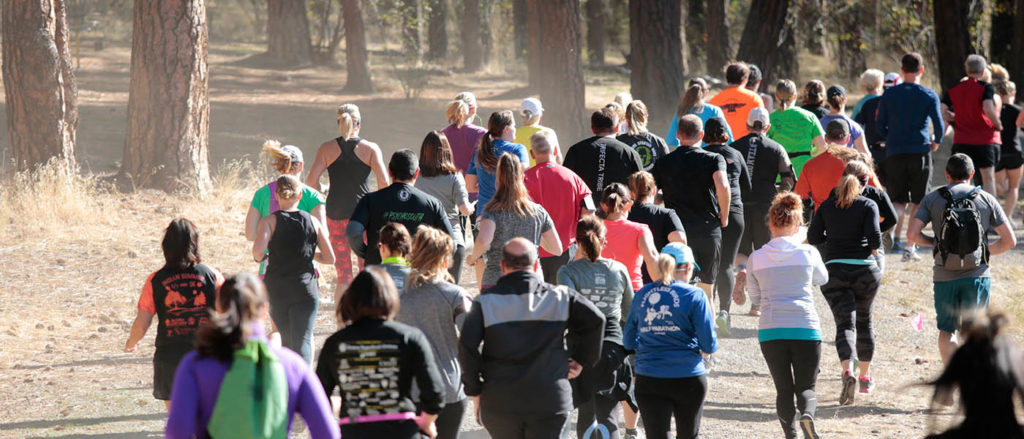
75, 255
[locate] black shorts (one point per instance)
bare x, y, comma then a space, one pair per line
983, 156
907, 176
1011, 159
163, 377
705, 239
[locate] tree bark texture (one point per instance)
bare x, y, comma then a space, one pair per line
656, 56
850, 17
952, 39
357, 59
1007, 40
437, 30
519, 28
168, 105
812, 25
718, 47
560, 73
39, 83
768, 40
696, 37
597, 33
534, 45
412, 26
472, 48
288, 39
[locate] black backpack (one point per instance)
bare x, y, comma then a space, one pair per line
962, 233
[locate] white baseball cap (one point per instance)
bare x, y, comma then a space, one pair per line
293, 151
531, 106
758, 115
892, 78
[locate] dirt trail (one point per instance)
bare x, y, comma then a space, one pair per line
67, 298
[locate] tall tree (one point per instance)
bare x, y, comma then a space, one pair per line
811, 20
719, 50
952, 38
39, 83
168, 106
555, 31
411, 12
768, 40
696, 37
656, 55
519, 17
849, 17
597, 33
1007, 40
288, 39
357, 59
472, 47
437, 31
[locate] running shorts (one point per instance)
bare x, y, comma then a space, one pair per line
908, 176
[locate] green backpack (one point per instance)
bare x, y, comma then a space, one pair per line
253, 398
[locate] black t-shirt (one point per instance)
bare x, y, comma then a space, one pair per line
686, 179
819, 111
649, 146
1010, 134
866, 119
736, 170
886, 211
660, 220
850, 233
766, 160
400, 203
374, 363
601, 161
183, 300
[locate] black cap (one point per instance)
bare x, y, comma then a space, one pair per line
835, 90
755, 73
837, 129
715, 128
403, 164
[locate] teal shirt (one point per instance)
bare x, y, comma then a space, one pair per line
788, 334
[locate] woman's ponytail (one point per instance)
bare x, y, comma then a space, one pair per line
667, 268
457, 113
590, 235
848, 189
348, 120
239, 303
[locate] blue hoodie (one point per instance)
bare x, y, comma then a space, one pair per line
668, 327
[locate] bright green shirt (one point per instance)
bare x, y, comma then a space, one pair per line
310, 199
794, 128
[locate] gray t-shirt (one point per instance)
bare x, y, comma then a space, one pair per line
438, 309
508, 225
398, 273
450, 190
930, 211
606, 283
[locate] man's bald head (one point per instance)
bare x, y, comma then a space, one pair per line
517, 255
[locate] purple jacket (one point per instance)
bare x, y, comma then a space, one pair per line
197, 383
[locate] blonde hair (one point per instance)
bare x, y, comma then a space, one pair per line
844, 153
510, 193
288, 187
641, 185
348, 120
618, 109
785, 92
430, 251
667, 268
847, 190
696, 91
1006, 88
871, 80
543, 141
278, 158
787, 210
457, 113
623, 99
999, 73
636, 117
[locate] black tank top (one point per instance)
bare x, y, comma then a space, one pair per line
350, 180
183, 301
292, 245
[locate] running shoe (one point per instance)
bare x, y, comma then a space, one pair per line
631, 434
867, 384
807, 425
739, 291
755, 310
910, 254
723, 324
849, 384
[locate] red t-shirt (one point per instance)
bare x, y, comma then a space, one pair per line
623, 236
560, 192
970, 125
819, 176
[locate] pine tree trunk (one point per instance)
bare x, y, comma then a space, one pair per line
560, 80
849, 19
472, 49
656, 56
168, 105
769, 41
534, 45
519, 17
719, 49
412, 25
437, 31
357, 59
696, 37
39, 83
952, 39
597, 15
486, 30
1005, 45
288, 39
812, 25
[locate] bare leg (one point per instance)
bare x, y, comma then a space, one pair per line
901, 208
1001, 182
947, 345
167, 404
629, 417
988, 179
865, 368
1013, 177
707, 289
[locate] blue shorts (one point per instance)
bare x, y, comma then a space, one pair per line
955, 297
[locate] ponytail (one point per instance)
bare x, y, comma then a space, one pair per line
837, 101
457, 113
847, 191
641, 185
487, 156
636, 117
785, 93
694, 94
239, 303
277, 157
288, 187
614, 198
348, 120
395, 237
667, 268
430, 251
590, 236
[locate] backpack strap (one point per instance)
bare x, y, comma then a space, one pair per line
946, 194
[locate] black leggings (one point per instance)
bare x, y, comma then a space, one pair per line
794, 368
456, 269
661, 398
600, 408
450, 419
726, 279
705, 239
755, 228
293, 306
850, 291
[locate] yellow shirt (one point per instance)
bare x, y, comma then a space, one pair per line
523, 135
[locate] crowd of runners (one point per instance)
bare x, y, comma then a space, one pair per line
599, 265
